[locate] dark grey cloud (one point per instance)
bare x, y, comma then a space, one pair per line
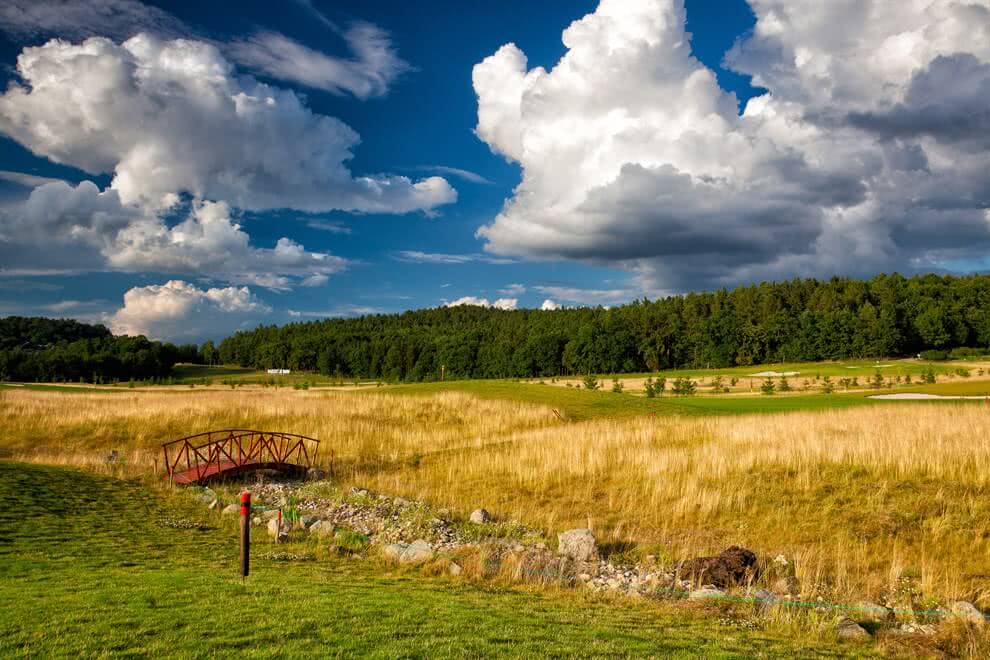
949, 101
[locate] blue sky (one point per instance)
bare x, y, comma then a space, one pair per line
421, 123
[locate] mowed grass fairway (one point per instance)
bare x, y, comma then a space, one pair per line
87, 569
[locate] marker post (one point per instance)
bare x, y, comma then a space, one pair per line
245, 533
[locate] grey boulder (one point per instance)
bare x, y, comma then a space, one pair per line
578, 544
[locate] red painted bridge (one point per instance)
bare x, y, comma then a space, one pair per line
229, 453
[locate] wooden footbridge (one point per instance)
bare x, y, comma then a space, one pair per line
216, 455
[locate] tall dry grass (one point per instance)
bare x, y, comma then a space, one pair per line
874, 502
364, 432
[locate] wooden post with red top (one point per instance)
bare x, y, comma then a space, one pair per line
245, 533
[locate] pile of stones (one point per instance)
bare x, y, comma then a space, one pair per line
410, 532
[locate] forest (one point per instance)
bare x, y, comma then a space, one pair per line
797, 320
59, 350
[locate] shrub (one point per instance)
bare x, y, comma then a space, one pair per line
648, 389
616, 386
784, 386
928, 376
827, 387
933, 355
660, 386
684, 387
591, 383
768, 388
877, 381
963, 353
350, 541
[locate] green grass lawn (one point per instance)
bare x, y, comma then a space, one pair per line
579, 404
86, 568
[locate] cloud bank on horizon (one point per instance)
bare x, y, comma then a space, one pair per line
869, 150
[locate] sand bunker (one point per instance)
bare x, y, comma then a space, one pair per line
774, 374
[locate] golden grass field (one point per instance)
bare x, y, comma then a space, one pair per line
874, 502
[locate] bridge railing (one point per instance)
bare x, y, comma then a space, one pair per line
211, 453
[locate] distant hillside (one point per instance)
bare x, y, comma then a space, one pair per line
797, 320
48, 350
36, 333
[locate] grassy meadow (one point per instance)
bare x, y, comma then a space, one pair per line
91, 556
877, 500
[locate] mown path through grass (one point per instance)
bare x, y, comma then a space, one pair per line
87, 568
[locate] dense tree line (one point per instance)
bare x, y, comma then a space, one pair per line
57, 350
798, 320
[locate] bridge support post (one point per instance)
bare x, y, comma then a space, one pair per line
245, 533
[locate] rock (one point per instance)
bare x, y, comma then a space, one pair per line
454, 569
206, 496
401, 502
278, 530
706, 591
917, 629
270, 514
480, 516
409, 553
968, 612
873, 613
846, 628
231, 510
315, 474
394, 550
256, 521
215, 505
419, 550
786, 586
584, 577
733, 566
322, 529
765, 600
308, 521
578, 544
359, 492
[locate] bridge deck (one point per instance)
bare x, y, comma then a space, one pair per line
214, 470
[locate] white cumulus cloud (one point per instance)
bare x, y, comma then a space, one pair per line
170, 117
501, 303
179, 311
868, 152
550, 306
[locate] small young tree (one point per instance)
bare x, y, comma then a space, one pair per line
591, 382
717, 386
877, 381
648, 389
616, 386
907, 379
827, 387
660, 386
929, 376
784, 385
684, 387
768, 388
